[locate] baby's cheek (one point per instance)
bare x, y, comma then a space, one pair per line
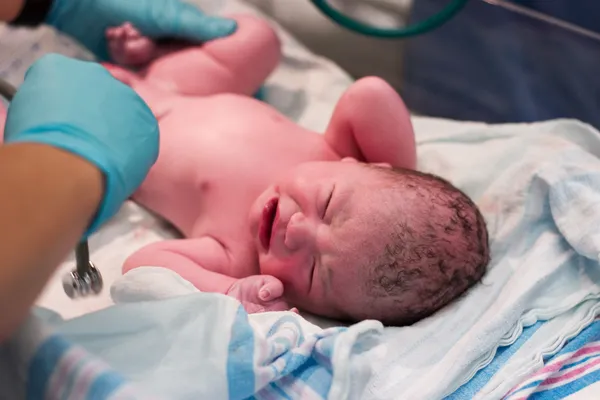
318, 304
293, 278
289, 272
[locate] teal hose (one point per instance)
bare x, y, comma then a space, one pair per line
431, 23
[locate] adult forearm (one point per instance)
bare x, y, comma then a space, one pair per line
47, 199
9, 9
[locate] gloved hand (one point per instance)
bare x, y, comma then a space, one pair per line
79, 107
87, 20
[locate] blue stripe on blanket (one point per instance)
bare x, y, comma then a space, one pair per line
316, 377
590, 334
54, 353
567, 390
43, 365
240, 358
483, 376
105, 385
580, 362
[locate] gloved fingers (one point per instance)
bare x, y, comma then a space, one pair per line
79, 107
184, 21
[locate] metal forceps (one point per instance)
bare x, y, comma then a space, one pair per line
85, 279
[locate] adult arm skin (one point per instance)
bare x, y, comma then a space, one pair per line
47, 199
9, 9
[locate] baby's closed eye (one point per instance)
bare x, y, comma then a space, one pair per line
312, 273
327, 203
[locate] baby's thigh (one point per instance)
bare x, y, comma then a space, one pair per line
239, 63
250, 54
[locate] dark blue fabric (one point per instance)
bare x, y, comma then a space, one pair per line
492, 65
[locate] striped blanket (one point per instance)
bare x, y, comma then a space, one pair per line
201, 346
575, 370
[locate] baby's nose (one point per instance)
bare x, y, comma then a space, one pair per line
299, 232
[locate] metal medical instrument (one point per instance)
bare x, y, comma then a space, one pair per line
436, 20
85, 279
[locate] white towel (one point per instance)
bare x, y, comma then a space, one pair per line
538, 186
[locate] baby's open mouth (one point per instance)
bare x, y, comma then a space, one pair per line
269, 215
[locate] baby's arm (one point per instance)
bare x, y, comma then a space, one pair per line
188, 258
371, 123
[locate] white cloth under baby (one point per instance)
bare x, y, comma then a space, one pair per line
538, 186
529, 180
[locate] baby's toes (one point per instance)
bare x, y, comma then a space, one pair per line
118, 33
131, 31
140, 51
111, 33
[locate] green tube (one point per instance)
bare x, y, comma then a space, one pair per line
431, 23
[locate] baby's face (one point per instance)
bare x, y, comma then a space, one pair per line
315, 228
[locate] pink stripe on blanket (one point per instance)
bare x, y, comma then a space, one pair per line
571, 374
63, 371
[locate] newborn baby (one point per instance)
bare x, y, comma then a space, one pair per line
339, 224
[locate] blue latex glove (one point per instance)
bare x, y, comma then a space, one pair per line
87, 20
79, 107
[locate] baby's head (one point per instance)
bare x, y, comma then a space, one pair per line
352, 241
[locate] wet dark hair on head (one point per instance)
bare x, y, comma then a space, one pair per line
438, 248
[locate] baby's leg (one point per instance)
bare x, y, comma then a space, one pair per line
239, 63
250, 55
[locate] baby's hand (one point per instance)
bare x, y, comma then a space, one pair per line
259, 293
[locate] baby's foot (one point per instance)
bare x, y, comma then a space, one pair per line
128, 47
260, 293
